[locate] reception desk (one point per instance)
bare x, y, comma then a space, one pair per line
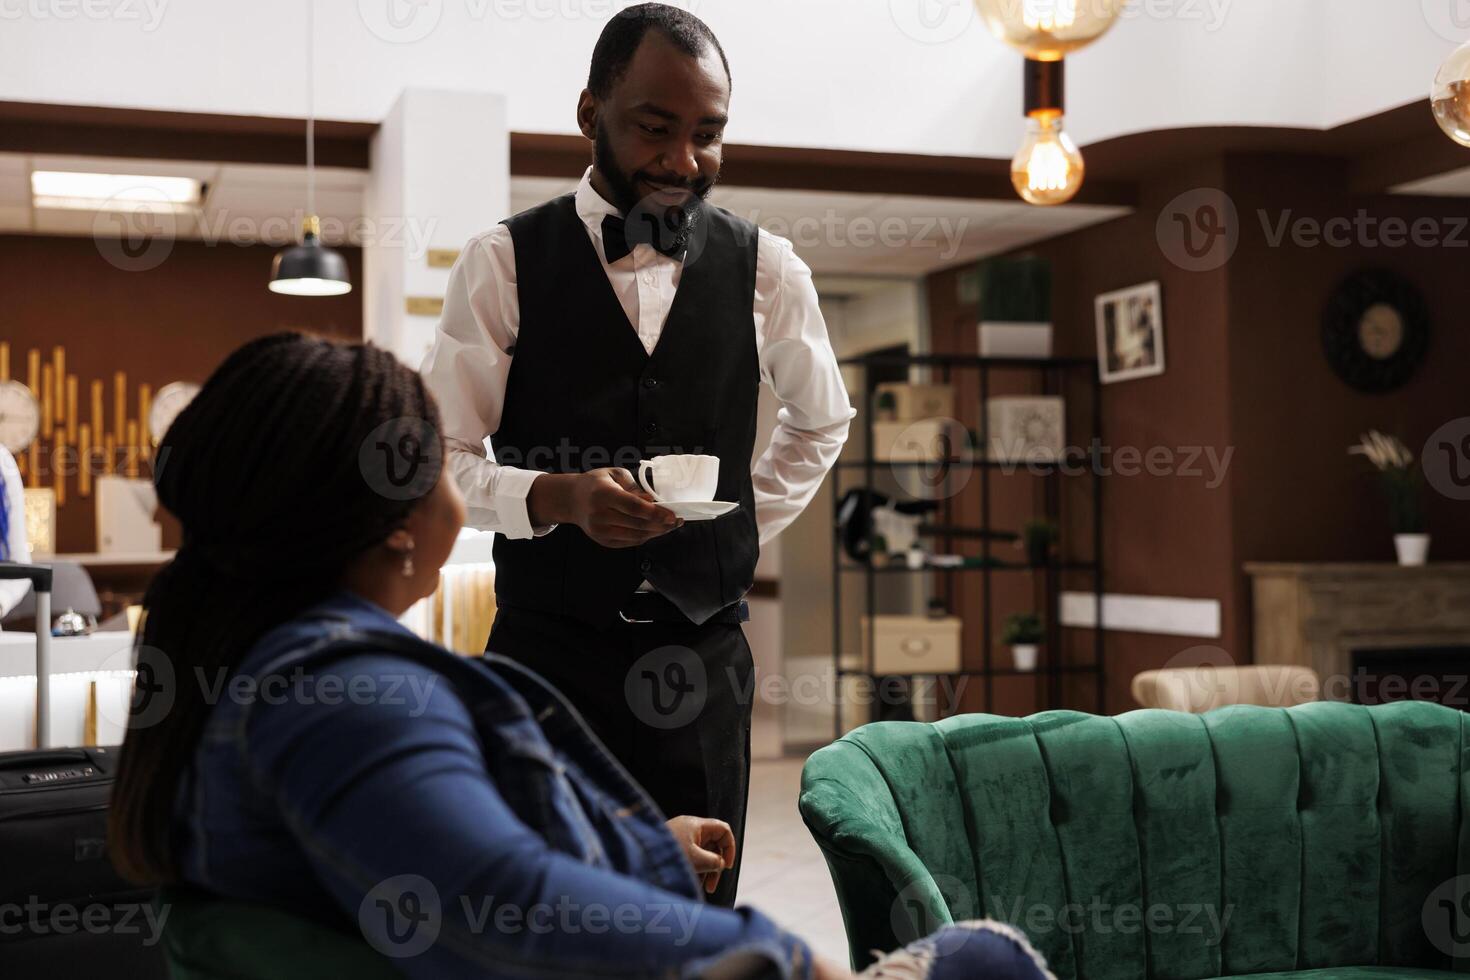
92, 676
91, 682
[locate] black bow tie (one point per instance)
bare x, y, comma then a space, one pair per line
647, 230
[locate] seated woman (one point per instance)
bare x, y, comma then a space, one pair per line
293, 745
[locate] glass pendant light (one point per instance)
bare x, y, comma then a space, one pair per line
1451, 96
310, 269
1048, 169
1048, 30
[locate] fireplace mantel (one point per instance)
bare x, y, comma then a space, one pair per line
1315, 615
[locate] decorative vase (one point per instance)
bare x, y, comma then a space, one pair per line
1023, 655
1413, 549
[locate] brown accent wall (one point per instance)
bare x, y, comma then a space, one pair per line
1297, 494
1245, 372
174, 322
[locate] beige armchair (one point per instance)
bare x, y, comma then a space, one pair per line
1199, 689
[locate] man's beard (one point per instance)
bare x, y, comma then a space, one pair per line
679, 220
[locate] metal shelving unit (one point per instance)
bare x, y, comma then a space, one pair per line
1053, 372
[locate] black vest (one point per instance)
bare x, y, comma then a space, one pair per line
582, 394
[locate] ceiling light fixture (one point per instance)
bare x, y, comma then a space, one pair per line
79, 191
310, 269
1048, 169
1450, 97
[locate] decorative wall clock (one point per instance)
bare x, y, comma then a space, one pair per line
167, 404
1376, 330
20, 416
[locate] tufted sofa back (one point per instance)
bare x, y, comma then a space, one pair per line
1155, 844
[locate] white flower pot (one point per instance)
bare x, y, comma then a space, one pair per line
1023, 655
1413, 549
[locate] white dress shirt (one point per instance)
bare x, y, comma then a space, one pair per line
11, 592
471, 357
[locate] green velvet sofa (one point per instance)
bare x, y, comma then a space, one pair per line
1323, 841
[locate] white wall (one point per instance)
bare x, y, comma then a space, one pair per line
859, 74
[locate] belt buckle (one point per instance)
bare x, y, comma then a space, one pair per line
627, 619
624, 617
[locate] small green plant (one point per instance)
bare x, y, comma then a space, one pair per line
1038, 537
1022, 629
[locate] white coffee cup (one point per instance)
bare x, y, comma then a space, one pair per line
680, 478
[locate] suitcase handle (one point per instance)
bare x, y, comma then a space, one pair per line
36, 760
40, 577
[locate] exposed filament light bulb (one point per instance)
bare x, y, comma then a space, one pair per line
1049, 15
1048, 169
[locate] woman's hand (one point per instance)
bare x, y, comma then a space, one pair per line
823, 969
709, 845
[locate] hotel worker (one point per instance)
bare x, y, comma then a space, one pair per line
625, 321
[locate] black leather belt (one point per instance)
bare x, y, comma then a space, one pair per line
650, 607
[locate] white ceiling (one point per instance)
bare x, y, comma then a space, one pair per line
836, 234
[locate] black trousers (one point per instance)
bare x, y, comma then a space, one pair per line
672, 702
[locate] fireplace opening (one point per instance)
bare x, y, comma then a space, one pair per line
1440, 674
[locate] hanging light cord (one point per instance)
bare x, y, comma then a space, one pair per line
310, 108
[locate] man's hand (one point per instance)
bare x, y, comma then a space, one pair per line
607, 504
709, 844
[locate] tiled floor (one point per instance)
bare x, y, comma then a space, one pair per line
784, 874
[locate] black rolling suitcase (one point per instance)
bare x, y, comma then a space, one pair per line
64, 911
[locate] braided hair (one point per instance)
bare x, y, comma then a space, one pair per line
264, 471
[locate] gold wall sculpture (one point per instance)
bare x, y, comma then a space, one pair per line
69, 453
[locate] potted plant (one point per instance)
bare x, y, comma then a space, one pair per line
1023, 632
1037, 537
1403, 488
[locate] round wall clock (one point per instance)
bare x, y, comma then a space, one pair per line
20, 416
167, 405
1376, 330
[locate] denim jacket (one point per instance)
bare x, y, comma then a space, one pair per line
454, 812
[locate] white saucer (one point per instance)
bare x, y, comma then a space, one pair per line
698, 510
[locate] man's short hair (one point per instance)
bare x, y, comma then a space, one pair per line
622, 35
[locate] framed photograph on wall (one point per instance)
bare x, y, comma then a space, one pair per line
1130, 333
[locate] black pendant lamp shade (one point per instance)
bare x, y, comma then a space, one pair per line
310, 269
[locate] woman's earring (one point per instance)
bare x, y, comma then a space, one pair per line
408, 560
